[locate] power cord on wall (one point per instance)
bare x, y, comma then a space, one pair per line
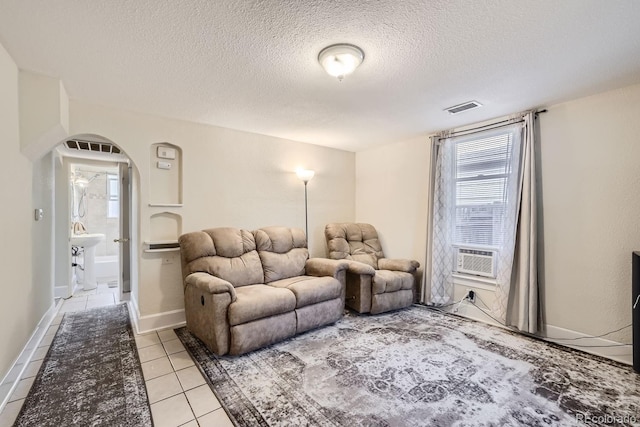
486, 313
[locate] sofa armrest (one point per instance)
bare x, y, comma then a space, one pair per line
406, 265
211, 284
325, 267
357, 267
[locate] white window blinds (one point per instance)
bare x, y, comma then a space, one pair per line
482, 173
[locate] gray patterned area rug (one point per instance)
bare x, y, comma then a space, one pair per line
91, 375
418, 367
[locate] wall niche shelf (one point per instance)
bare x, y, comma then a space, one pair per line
164, 230
165, 175
166, 205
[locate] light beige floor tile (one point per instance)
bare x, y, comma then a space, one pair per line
22, 389
40, 353
32, 369
102, 297
145, 340
171, 412
162, 387
167, 335
192, 423
52, 329
217, 418
173, 346
152, 352
156, 368
190, 378
57, 320
202, 400
181, 360
71, 307
10, 413
46, 341
99, 303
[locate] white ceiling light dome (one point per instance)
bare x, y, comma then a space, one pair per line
341, 59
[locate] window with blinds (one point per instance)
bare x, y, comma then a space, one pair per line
481, 178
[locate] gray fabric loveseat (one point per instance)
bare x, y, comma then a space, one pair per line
244, 290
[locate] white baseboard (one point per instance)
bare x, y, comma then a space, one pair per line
61, 291
619, 353
153, 322
13, 376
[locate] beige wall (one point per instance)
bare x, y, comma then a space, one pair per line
231, 178
20, 305
392, 187
590, 179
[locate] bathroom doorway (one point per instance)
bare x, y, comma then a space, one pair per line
93, 224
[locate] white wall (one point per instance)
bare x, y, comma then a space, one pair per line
392, 187
590, 211
590, 176
231, 178
20, 305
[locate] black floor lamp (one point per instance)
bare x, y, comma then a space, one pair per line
305, 175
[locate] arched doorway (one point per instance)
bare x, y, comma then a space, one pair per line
95, 229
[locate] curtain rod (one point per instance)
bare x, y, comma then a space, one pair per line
499, 124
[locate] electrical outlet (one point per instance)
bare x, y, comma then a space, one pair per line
167, 260
471, 296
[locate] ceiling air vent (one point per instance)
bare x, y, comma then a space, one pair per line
92, 146
463, 107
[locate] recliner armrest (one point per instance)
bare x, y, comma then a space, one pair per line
406, 265
212, 284
325, 267
357, 267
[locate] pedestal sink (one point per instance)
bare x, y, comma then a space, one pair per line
88, 242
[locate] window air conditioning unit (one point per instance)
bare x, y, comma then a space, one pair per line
476, 261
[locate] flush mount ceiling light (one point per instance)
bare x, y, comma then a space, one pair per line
338, 60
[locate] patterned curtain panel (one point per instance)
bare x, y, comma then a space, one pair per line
442, 251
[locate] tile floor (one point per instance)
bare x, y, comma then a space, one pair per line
178, 393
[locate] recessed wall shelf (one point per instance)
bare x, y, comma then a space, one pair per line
162, 246
166, 205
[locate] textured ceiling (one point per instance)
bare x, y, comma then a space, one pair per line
252, 65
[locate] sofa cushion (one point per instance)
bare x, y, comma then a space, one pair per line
283, 252
386, 281
358, 242
259, 301
228, 253
310, 290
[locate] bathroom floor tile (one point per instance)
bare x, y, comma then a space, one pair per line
162, 387
171, 412
46, 341
99, 303
202, 400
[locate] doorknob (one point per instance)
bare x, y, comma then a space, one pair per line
120, 240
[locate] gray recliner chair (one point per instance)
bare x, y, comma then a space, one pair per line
374, 284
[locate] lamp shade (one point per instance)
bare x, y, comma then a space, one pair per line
305, 175
339, 60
